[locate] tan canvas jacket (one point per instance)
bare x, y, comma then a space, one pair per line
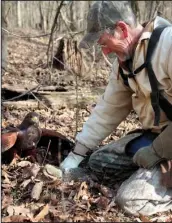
118, 100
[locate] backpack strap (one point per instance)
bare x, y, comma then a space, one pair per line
157, 99
124, 77
155, 94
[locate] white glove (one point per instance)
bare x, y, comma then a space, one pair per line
71, 161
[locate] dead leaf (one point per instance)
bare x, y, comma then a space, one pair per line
169, 219
83, 192
16, 218
5, 175
79, 218
26, 173
53, 210
24, 163
52, 171
5, 186
107, 192
144, 218
138, 219
17, 210
35, 207
66, 187
25, 183
54, 183
42, 213
14, 161
72, 194
6, 219
31, 171
36, 191
101, 202
8, 185
34, 169
54, 200
6, 201
63, 217
110, 205
7, 190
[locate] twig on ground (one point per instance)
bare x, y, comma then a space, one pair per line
59, 150
46, 152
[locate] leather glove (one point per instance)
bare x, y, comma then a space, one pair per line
146, 157
160, 149
71, 161
166, 177
74, 158
162, 143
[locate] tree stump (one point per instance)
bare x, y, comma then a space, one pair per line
68, 56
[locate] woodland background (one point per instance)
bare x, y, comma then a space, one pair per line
71, 21
44, 71
40, 14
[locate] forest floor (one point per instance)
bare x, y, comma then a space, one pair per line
26, 198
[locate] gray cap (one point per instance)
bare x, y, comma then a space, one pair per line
102, 15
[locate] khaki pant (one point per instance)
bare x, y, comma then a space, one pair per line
141, 191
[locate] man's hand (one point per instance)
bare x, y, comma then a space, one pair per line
71, 161
160, 149
146, 157
166, 169
74, 158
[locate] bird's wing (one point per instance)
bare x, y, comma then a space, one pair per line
8, 140
10, 129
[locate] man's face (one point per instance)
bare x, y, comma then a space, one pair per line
115, 41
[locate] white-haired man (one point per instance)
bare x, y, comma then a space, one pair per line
141, 79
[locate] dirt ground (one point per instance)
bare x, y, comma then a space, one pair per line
26, 196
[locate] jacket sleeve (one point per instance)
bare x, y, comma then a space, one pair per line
169, 56
112, 108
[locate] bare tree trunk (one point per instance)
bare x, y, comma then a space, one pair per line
42, 22
19, 14
72, 26
145, 11
4, 39
28, 13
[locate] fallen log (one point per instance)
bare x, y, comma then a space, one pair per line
52, 99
